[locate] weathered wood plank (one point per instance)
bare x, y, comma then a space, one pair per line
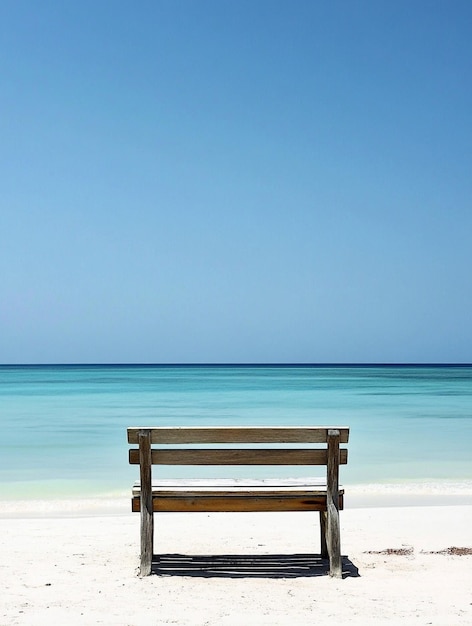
245, 434
235, 504
241, 487
324, 545
146, 502
259, 456
302, 481
333, 539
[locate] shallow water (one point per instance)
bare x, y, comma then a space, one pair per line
63, 428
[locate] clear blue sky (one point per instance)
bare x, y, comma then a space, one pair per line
235, 181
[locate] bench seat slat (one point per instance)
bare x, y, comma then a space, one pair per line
234, 503
230, 487
243, 481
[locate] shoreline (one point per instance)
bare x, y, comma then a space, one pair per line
360, 497
121, 507
357, 496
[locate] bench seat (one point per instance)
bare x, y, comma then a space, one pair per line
236, 494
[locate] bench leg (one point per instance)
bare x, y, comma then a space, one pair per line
147, 541
324, 545
333, 536
333, 541
147, 513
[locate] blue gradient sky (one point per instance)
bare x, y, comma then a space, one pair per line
250, 181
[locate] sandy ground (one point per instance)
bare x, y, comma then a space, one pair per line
83, 570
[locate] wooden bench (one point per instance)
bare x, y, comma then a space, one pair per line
323, 495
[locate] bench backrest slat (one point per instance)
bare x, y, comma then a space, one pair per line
264, 456
244, 434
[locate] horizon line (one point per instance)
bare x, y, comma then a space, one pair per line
249, 364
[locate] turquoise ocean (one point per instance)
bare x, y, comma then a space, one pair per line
63, 428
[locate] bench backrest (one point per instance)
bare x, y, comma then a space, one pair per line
146, 437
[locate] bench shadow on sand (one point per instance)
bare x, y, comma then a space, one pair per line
247, 566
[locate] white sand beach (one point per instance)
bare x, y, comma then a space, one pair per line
82, 570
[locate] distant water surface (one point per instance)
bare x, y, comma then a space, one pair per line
63, 428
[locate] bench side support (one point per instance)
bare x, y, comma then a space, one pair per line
333, 539
324, 545
147, 518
